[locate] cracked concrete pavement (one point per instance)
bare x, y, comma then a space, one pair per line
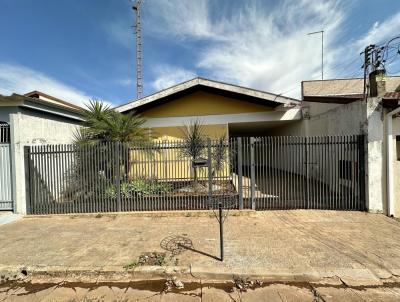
299, 245
198, 291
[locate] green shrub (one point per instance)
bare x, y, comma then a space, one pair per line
163, 188
139, 187
111, 192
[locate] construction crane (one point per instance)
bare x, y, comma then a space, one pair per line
138, 32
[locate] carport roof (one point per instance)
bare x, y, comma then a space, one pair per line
253, 95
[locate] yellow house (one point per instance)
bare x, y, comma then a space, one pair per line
223, 110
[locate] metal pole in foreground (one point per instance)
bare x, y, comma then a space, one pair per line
221, 231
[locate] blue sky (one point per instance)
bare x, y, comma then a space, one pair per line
77, 50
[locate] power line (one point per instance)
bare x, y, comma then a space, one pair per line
376, 57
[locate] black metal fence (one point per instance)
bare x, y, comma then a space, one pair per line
326, 172
112, 177
257, 173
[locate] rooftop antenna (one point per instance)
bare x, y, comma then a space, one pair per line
322, 50
138, 32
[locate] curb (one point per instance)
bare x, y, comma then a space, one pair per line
57, 274
154, 214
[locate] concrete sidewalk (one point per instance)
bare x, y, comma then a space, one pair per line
301, 245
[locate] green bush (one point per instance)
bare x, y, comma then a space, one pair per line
111, 192
139, 187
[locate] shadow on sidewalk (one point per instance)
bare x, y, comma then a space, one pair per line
177, 244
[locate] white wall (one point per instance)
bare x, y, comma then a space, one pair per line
376, 176
396, 168
328, 119
32, 128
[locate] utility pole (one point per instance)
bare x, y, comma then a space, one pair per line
322, 50
367, 62
373, 63
138, 32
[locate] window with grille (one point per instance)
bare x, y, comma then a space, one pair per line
4, 133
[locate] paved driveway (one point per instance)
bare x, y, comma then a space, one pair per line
273, 244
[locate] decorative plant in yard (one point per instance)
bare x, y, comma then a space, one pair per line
103, 124
139, 187
194, 146
219, 154
96, 150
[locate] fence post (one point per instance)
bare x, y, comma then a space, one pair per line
361, 178
118, 174
27, 163
307, 172
209, 165
240, 171
252, 174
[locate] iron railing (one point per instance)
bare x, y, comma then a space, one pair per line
111, 177
255, 172
6, 198
326, 172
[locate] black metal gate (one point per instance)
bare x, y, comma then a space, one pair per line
326, 172
255, 173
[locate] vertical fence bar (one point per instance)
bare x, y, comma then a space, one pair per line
307, 179
210, 176
340, 172
272, 174
28, 187
117, 174
362, 163
264, 173
240, 171
268, 172
319, 172
353, 171
252, 173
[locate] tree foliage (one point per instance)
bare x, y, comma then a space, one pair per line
103, 124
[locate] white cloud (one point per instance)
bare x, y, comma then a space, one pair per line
182, 19
255, 47
168, 75
20, 79
269, 48
380, 32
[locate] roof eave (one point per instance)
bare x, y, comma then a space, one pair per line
206, 83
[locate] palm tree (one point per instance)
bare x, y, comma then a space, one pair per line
103, 124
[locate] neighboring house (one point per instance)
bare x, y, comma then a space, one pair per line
337, 107
31, 119
223, 110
